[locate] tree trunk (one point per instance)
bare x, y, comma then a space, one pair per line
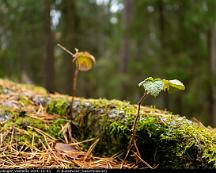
69, 17
49, 61
125, 49
212, 58
163, 44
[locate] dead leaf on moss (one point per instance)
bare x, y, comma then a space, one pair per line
64, 147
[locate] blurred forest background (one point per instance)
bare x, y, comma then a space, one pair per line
130, 39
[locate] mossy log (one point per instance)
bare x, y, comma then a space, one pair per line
172, 141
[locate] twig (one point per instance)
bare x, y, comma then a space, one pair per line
74, 78
74, 84
65, 49
143, 161
42, 133
90, 149
78, 143
51, 150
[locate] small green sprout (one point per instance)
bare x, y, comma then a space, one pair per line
152, 87
84, 61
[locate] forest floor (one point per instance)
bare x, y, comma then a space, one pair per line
26, 145
35, 132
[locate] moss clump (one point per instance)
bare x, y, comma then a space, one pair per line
27, 138
22, 132
190, 143
55, 128
7, 109
60, 107
24, 100
2, 90
169, 140
7, 84
25, 122
26, 130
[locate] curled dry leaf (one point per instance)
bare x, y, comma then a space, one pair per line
64, 147
84, 61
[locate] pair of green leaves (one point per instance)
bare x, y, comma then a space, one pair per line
155, 86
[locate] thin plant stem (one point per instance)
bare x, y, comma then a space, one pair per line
73, 91
133, 135
137, 116
65, 49
74, 80
144, 162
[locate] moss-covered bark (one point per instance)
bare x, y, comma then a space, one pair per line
172, 141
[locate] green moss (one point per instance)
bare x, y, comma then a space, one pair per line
24, 122
60, 107
169, 140
2, 91
24, 100
27, 138
27, 133
55, 128
36, 89
4, 83
176, 144
23, 133
10, 110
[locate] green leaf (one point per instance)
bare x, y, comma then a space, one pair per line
177, 84
173, 85
152, 86
155, 86
166, 84
147, 79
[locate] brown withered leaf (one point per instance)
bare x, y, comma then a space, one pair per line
64, 147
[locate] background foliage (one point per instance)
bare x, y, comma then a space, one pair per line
130, 39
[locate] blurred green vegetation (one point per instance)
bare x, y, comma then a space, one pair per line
130, 39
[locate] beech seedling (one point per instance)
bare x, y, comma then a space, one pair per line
84, 61
151, 87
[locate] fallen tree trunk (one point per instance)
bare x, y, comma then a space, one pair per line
172, 141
